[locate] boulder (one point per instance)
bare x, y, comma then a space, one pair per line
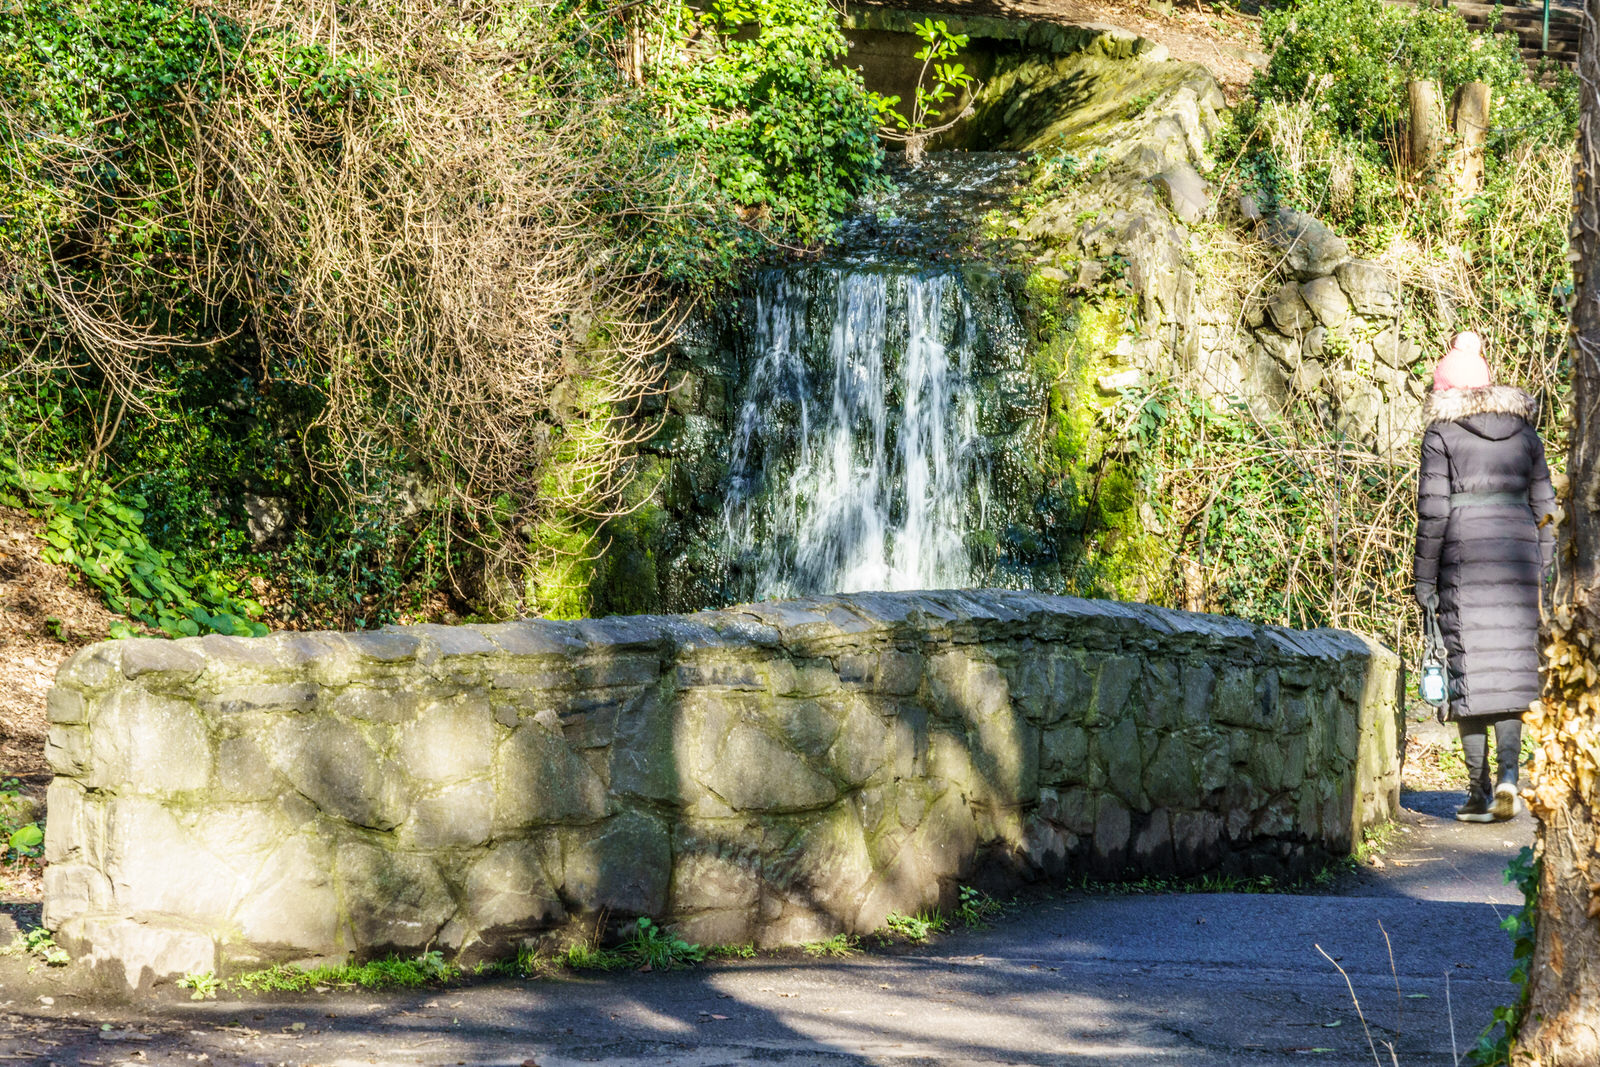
1184, 191
1285, 350
1326, 301
1392, 349
1371, 289
1288, 311
1311, 248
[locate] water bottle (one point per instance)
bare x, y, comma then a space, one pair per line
1432, 685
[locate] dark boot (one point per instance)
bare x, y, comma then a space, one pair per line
1480, 786
1477, 808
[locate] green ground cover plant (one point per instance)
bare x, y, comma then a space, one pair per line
392, 972
23, 837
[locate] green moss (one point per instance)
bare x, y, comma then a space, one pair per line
625, 580
1090, 537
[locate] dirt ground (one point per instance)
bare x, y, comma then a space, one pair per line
46, 614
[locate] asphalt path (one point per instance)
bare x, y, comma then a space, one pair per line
1071, 978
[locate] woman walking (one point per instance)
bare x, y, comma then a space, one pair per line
1484, 545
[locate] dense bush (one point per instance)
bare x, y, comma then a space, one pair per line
1324, 126
401, 274
755, 90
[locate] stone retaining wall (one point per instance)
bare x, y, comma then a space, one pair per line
773, 773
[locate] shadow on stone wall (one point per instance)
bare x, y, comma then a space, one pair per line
774, 773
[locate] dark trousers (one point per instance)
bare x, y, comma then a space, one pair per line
1475, 746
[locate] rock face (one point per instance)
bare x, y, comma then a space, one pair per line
773, 773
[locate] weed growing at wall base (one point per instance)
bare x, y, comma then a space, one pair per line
916, 928
39, 944
201, 986
838, 945
393, 972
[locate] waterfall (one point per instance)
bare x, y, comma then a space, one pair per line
855, 460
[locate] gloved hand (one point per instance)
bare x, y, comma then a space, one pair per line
1427, 594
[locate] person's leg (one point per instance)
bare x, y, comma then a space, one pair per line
1475, 751
1508, 755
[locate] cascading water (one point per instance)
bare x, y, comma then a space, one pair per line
856, 462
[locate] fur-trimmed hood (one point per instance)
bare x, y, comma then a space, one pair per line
1454, 405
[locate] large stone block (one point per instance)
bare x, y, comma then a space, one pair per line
294, 911
446, 742
756, 771
1326, 301
457, 816
134, 739
539, 780
1372, 290
138, 954
1118, 750
623, 867
1310, 248
338, 768
1113, 687
510, 895
158, 865
405, 901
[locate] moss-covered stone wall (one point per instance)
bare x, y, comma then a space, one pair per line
772, 773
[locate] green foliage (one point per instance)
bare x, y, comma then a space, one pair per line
393, 972
938, 82
201, 986
39, 943
1494, 1048
1323, 127
156, 346
650, 947
752, 91
1375, 841
23, 840
837, 946
916, 928
976, 909
587, 957
93, 529
731, 952
1353, 58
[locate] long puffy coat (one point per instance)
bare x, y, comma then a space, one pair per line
1487, 558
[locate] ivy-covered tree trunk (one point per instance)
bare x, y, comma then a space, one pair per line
1561, 1021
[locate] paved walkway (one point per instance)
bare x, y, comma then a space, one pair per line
1191, 979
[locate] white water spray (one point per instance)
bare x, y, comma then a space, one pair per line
854, 462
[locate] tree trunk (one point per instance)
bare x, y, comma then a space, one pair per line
1561, 1023
1427, 130
1469, 119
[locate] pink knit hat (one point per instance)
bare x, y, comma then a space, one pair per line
1462, 367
